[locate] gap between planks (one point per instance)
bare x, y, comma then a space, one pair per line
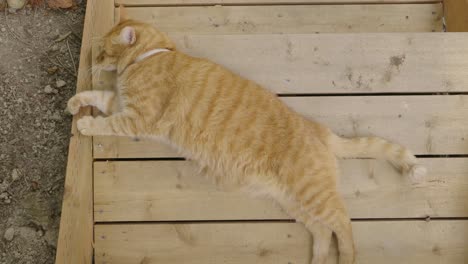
190, 3
247, 221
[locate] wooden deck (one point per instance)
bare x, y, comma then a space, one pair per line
361, 67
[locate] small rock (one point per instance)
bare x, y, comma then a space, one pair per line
60, 83
56, 116
51, 238
60, 3
27, 233
16, 4
48, 89
52, 70
4, 196
7, 201
3, 29
9, 234
15, 174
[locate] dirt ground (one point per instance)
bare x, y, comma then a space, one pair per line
39, 55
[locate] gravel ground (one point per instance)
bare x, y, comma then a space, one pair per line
39, 52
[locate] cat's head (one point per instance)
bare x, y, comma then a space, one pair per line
128, 39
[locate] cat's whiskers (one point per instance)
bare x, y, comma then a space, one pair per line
96, 71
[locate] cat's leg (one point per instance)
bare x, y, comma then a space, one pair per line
322, 239
105, 101
120, 124
321, 234
333, 215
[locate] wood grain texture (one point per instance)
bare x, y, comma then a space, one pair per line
308, 19
425, 124
172, 190
383, 242
105, 79
456, 15
260, 2
75, 241
340, 63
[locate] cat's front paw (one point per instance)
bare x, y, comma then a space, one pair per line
85, 125
73, 105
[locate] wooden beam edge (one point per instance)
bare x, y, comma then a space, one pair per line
76, 232
456, 15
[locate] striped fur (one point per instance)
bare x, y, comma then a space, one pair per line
239, 133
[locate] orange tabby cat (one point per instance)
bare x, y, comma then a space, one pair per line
239, 133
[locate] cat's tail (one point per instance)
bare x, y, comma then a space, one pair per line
378, 148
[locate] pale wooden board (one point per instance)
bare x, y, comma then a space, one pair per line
340, 63
308, 19
425, 124
172, 190
258, 2
75, 241
383, 242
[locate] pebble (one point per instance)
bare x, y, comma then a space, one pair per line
9, 234
27, 233
15, 174
52, 70
48, 89
60, 3
60, 83
16, 4
56, 116
3, 29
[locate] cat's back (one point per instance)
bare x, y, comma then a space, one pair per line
226, 116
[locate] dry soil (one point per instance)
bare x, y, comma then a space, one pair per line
39, 52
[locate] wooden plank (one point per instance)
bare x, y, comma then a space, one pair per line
383, 242
425, 124
260, 2
169, 190
172, 190
293, 19
340, 63
75, 241
456, 15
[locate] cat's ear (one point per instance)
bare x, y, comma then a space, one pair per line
122, 13
127, 36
